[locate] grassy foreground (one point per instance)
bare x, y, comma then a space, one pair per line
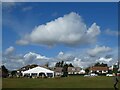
66, 82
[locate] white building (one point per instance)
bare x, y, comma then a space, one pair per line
38, 71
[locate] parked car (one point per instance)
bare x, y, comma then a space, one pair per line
109, 75
93, 74
86, 75
90, 75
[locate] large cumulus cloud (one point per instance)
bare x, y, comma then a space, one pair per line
98, 49
68, 30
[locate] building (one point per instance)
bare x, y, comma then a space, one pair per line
38, 72
99, 70
58, 71
71, 70
75, 70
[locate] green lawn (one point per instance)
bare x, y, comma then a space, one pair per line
66, 82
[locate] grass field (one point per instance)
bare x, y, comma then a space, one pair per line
66, 82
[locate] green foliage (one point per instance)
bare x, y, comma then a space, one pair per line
70, 65
61, 64
100, 64
13, 73
87, 70
4, 71
47, 64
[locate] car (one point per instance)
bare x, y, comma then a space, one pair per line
109, 75
86, 75
93, 74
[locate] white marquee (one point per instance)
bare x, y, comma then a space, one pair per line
38, 70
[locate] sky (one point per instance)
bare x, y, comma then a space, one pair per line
60, 0
78, 33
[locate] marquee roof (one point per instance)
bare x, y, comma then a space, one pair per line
38, 69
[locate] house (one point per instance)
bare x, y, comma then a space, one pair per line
71, 70
38, 72
99, 69
111, 68
74, 70
58, 71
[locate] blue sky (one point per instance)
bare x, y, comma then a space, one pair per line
20, 19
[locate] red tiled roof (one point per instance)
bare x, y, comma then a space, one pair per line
99, 68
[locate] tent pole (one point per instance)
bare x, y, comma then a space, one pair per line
53, 74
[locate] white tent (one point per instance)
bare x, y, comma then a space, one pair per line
38, 70
82, 71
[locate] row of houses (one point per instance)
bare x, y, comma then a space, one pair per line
58, 71
71, 70
40, 71
78, 70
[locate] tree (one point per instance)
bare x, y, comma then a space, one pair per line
47, 64
104, 65
33, 65
87, 70
4, 71
14, 73
65, 70
100, 65
59, 64
97, 64
115, 69
70, 65
62, 64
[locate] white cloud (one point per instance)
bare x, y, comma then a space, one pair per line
68, 30
22, 42
78, 59
112, 32
77, 62
98, 49
102, 59
9, 50
65, 56
12, 61
36, 56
